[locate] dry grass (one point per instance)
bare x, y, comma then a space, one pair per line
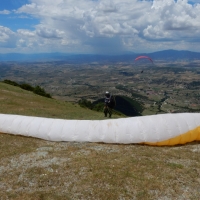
41, 170
37, 169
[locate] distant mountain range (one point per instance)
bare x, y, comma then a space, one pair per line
166, 55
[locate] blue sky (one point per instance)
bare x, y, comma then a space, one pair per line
99, 26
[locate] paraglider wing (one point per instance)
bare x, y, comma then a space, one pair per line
160, 130
143, 57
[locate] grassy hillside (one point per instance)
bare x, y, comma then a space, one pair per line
14, 100
35, 169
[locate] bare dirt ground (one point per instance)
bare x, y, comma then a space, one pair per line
41, 170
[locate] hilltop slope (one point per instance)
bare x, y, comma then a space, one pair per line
14, 100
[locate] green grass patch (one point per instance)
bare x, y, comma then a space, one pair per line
14, 100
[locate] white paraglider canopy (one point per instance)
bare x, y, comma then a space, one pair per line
164, 129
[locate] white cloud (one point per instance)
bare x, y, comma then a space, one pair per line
4, 12
177, 21
89, 25
7, 38
45, 32
26, 33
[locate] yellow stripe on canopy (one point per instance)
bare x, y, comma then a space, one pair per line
192, 135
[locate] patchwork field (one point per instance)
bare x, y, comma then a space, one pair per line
160, 87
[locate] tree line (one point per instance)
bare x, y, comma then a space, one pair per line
37, 89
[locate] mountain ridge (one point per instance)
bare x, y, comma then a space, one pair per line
165, 55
